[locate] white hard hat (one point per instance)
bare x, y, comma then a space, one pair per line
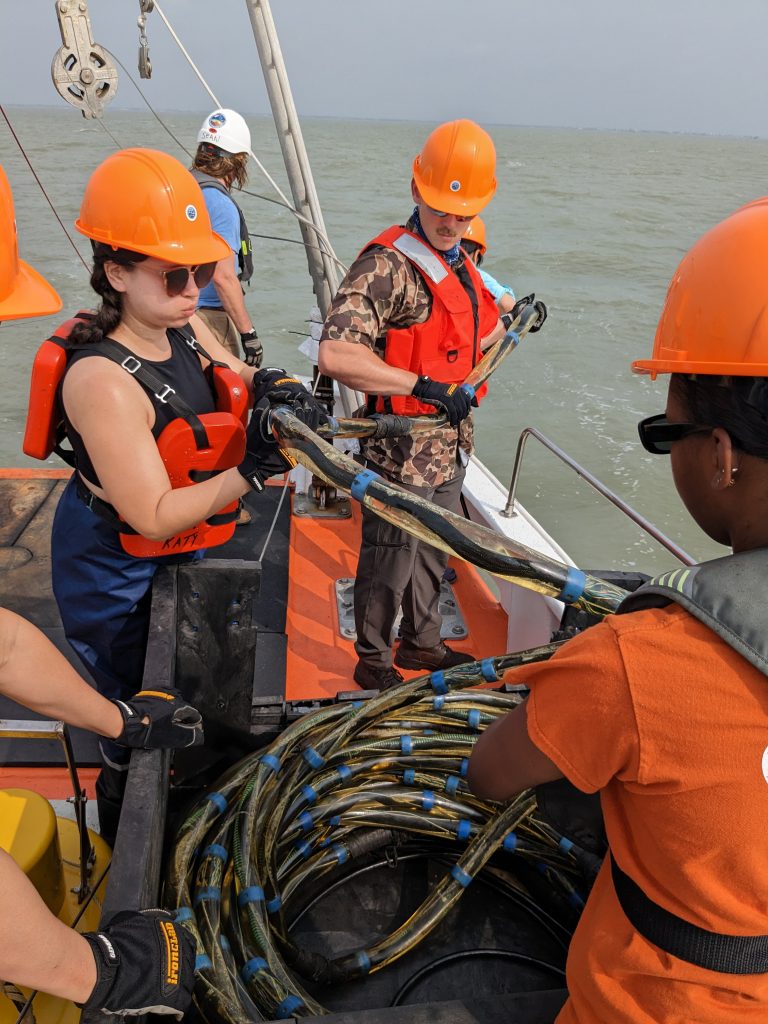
227, 130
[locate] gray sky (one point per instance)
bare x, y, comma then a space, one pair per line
669, 65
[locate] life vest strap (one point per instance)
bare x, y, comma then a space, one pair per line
726, 954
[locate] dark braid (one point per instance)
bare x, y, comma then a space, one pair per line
110, 312
737, 404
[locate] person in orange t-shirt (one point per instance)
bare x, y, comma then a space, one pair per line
663, 708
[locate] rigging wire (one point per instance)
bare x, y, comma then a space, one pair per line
322, 237
42, 189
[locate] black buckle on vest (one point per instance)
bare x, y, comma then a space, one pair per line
452, 355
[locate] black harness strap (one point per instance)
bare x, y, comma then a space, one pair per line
726, 954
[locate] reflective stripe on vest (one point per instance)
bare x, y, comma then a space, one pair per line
446, 346
721, 594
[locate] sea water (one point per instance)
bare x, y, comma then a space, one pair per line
593, 222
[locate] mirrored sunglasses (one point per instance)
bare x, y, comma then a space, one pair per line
461, 220
657, 434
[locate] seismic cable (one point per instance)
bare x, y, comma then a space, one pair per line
335, 788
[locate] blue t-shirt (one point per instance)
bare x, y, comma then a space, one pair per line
493, 286
225, 221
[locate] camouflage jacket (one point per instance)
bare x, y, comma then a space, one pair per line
383, 290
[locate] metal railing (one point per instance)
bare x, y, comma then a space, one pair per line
644, 524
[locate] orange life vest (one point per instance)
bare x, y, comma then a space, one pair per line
188, 445
447, 345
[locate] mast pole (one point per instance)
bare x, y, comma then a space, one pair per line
322, 268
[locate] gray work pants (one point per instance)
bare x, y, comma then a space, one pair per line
396, 570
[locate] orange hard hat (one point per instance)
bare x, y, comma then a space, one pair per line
715, 316
455, 170
475, 232
23, 292
146, 201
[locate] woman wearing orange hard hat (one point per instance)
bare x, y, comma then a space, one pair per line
156, 413
37, 950
663, 708
409, 322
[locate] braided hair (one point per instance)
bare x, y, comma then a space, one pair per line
110, 311
737, 404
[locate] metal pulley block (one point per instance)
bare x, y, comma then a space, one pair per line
83, 72
145, 64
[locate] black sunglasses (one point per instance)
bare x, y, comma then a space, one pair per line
657, 434
176, 280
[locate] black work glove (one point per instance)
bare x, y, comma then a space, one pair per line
272, 387
144, 964
538, 305
455, 399
253, 352
172, 722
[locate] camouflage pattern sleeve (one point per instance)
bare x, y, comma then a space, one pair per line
380, 291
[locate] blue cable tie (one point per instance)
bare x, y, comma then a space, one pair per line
514, 336
406, 745
271, 762
218, 800
313, 759
409, 776
473, 718
344, 771
510, 843
224, 943
468, 390
252, 967
335, 821
363, 961
464, 831
253, 894
288, 1005
464, 767
461, 876
342, 854
183, 914
306, 821
215, 850
325, 842
489, 670
565, 844
357, 704
304, 848
361, 482
202, 962
274, 905
452, 784
210, 893
427, 799
439, 685
438, 701
309, 793
574, 586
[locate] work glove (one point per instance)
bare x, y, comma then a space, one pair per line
253, 352
263, 456
172, 722
144, 964
538, 305
454, 399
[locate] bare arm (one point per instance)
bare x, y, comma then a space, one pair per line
33, 673
506, 303
490, 339
360, 368
231, 295
505, 761
62, 963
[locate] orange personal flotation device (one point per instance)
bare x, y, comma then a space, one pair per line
447, 345
191, 446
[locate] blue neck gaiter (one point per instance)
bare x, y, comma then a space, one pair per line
451, 257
